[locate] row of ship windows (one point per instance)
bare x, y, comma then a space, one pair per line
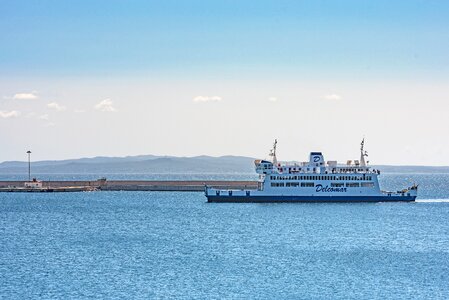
312, 184
321, 177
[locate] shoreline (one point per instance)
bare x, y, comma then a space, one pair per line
126, 185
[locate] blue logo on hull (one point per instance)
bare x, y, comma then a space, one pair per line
327, 189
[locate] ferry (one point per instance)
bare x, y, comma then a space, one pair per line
314, 181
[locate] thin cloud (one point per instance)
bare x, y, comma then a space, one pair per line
44, 117
56, 106
79, 111
105, 105
25, 96
199, 99
9, 114
273, 99
30, 115
333, 97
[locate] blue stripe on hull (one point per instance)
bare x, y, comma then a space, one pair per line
275, 199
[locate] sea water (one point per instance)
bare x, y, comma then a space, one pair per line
153, 245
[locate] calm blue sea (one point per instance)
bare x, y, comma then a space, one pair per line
154, 245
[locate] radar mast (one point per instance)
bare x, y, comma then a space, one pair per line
273, 153
363, 153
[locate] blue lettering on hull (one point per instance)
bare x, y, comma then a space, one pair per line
327, 189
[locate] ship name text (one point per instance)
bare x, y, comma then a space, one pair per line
327, 189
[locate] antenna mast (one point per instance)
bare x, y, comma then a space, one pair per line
363, 153
273, 153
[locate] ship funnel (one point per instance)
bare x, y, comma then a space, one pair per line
316, 159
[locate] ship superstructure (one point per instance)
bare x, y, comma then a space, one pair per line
314, 181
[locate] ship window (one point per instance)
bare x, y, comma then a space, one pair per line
352, 184
367, 184
292, 184
337, 184
307, 184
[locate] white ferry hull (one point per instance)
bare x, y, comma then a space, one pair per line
314, 181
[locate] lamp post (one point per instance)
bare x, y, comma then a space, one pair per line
29, 165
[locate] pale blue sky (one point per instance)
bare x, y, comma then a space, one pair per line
89, 70
116, 37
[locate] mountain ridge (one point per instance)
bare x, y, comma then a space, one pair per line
168, 164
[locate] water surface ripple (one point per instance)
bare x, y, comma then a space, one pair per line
174, 245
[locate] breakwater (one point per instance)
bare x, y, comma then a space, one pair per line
127, 185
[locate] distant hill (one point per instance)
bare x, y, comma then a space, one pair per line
135, 164
147, 164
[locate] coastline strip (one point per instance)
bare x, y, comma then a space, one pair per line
126, 185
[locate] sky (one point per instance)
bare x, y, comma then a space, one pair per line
187, 78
